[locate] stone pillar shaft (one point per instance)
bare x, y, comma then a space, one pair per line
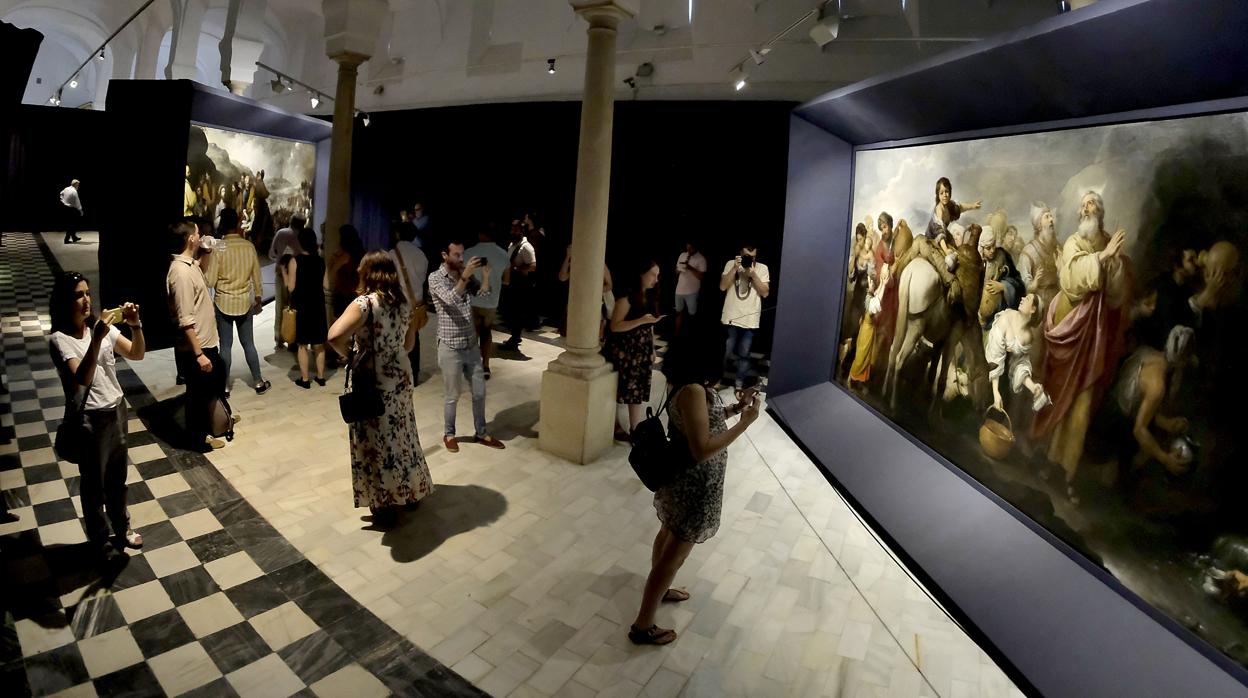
338, 207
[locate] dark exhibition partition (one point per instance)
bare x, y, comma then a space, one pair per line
46, 147
148, 124
1057, 622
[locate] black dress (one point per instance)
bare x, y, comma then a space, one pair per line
308, 300
632, 353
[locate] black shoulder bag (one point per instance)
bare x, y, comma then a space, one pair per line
659, 456
363, 402
73, 440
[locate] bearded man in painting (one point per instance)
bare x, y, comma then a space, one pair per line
1084, 328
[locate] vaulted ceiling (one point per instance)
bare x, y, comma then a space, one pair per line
438, 52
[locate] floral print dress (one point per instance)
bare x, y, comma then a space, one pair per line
690, 506
387, 464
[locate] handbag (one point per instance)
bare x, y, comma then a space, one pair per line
420, 313
288, 325
72, 437
659, 456
363, 402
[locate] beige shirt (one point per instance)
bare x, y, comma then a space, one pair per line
235, 274
189, 303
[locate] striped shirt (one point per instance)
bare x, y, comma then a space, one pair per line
235, 274
455, 325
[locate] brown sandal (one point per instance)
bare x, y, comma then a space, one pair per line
676, 595
654, 635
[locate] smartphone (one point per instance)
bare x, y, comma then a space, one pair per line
112, 316
479, 260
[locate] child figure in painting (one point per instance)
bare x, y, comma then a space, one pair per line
945, 212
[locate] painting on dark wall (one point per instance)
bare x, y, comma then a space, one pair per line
266, 180
1062, 316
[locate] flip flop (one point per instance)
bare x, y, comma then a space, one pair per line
654, 635
676, 595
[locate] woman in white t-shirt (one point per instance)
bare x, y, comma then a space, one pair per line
83, 349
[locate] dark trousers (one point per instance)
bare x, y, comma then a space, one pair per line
201, 389
521, 312
413, 357
103, 471
71, 223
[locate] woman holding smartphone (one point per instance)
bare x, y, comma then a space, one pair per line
84, 350
632, 341
689, 507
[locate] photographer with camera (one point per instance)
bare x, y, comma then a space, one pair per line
747, 282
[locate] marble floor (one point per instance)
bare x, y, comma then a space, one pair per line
522, 572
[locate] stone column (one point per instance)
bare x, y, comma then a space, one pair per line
188, 20
578, 388
351, 31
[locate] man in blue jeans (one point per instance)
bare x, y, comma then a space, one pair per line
459, 354
747, 282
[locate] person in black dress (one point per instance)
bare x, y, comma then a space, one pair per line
304, 279
632, 340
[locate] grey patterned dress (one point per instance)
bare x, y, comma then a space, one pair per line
387, 464
690, 506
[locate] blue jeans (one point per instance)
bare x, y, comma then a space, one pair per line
457, 364
225, 328
739, 341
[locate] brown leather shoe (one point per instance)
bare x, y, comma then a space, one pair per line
452, 446
490, 441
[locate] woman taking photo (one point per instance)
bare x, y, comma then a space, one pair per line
83, 350
388, 467
632, 341
689, 508
303, 277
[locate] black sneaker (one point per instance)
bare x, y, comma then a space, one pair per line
263, 387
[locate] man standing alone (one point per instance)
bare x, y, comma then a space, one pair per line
72, 211
747, 283
690, 266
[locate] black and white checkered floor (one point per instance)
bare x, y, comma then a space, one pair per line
217, 603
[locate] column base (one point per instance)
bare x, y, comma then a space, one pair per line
577, 419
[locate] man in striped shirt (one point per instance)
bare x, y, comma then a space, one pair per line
235, 274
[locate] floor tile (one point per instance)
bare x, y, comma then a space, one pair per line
183, 669
189, 585
55, 670
232, 570
210, 614
161, 633
111, 651
94, 615
235, 647
213, 546
142, 601
267, 677
351, 681
283, 625
171, 559
196, 523
314, 657
259, 595
44, 633
63, 533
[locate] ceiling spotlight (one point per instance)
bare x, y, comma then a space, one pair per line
366, 119
645, 70
739, 78
760, 55
550, 66
100, 57
316, 100
279, 86
825, 30
56, 99
631, 82
73, 82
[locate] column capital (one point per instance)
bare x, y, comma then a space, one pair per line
352, 26
605, 13
348, 59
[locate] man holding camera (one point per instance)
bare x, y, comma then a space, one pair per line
747, 282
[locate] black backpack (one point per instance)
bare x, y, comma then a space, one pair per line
659, 456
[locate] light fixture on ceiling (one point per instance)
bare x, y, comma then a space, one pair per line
760, 55
367, 119
316, 100
739, 77
829, 25
550, 66
645, 70
100, 57
73, 82
56, 99
279, 87
631, 82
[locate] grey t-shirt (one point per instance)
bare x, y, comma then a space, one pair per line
105, 388
497, 257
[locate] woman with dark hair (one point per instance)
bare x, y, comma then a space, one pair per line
83, 350
303, 276
388, 467
688, 509
632, 341
343, 268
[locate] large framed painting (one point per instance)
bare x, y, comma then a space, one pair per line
266, 180
1062, 316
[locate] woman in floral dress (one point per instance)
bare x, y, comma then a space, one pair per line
689, 507
632, 341
388, 467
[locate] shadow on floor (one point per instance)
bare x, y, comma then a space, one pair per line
448, 512
517, 420
165, 420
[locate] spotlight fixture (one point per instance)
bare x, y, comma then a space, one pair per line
366, 119
825, 30
760, 55
56, 99
100, 57
279, 86
631, 82
73, 83
645, 70
550, 66
739, 78
316, 100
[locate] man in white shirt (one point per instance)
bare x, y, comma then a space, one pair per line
485, 306
690, 267
519, 280
747, 282
72, 211
413, 271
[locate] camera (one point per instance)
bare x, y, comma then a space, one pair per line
747, 261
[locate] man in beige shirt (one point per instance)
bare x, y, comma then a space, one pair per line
195, 337
235, 274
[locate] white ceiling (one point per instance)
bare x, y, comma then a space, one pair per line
439, 52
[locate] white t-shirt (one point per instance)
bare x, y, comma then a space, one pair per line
69, 197
686, 282
744, 311
105, 389
417, 266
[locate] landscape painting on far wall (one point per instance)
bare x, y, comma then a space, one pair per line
1062, 316
265, 180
